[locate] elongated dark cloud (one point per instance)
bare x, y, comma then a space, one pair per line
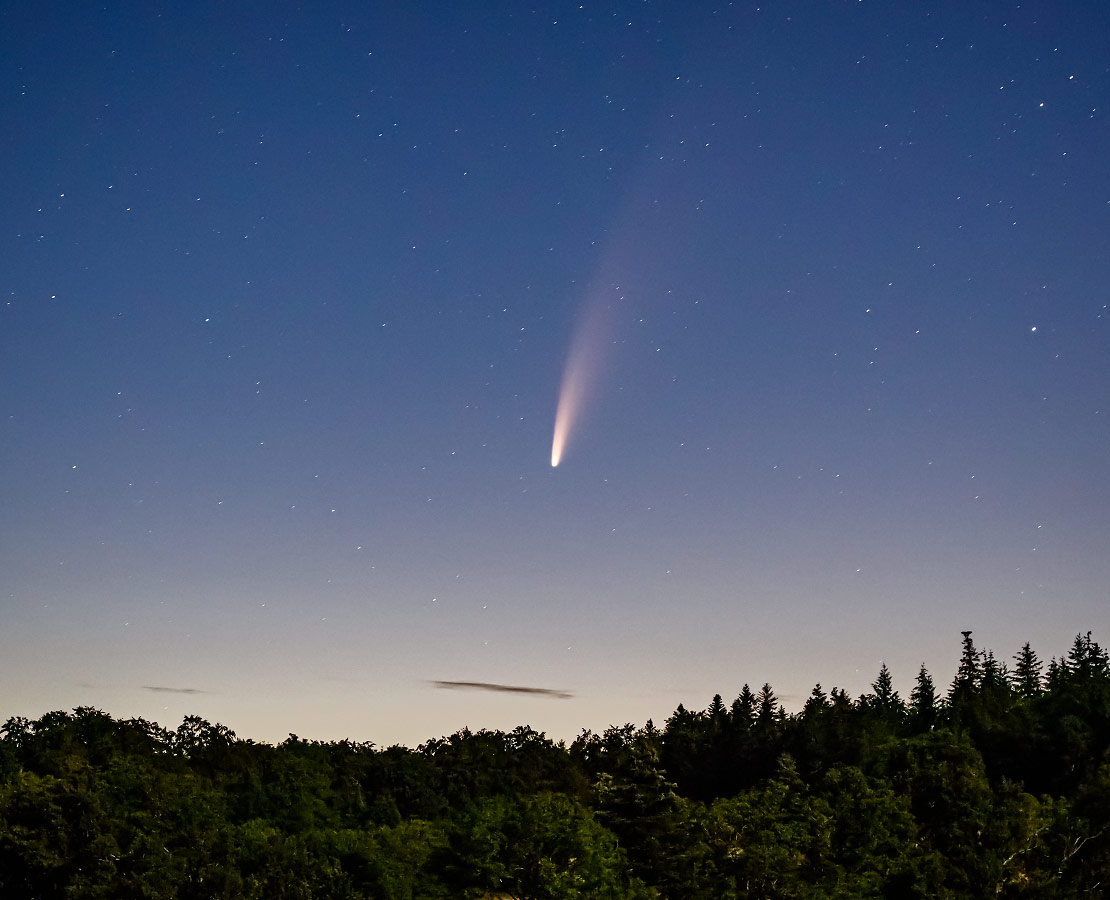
502, 688
159, 689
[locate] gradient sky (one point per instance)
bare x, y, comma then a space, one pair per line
288, 294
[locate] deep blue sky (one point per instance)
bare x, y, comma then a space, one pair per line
288, 294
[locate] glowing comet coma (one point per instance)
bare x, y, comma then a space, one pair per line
583, 361
570, 402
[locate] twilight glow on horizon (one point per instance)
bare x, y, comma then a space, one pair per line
375, 371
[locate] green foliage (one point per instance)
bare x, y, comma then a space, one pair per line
1002, 789
766, 842
546, 847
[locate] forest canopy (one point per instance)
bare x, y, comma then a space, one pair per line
997, 785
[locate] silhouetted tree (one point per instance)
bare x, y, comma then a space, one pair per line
886, 697
970, 671
1026, 677
923, 701
767, 705
743, 708
818, 700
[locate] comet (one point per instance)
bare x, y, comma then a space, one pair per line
571, 395
581, 370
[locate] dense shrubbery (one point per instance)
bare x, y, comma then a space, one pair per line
999, 789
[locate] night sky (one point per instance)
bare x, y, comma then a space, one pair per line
289, 295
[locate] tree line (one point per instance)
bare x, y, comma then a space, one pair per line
998, 786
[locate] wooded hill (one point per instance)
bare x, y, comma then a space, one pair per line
999, 787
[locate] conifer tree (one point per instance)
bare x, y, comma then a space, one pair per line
1086, 659
1077, 656
767, 703
966, 696
1056, 674
743, 708
969, 675
995, 685
1026, 677
989, 668
923, 700
818, 700
886, 697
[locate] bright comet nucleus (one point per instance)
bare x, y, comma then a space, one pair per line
583, 361
569, 402
564, 416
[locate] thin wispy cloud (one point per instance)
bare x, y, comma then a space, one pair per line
502, 688
161, 689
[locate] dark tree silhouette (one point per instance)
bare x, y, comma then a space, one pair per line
1026, 677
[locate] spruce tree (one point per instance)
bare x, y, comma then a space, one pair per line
767, 703
1087, 659
923, 701
886, 697
996, 680
1056, 675
743, 708
818, 700
966, 696
970, 672
1026, 677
